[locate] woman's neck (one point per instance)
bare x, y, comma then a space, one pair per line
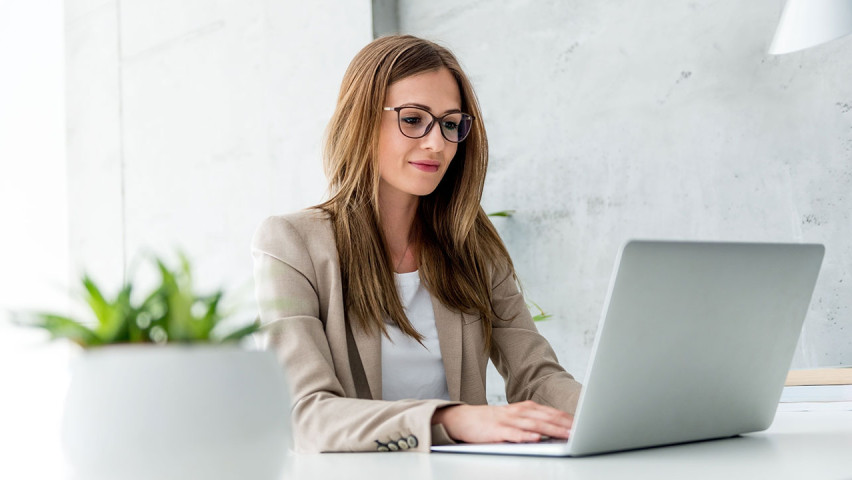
397, 211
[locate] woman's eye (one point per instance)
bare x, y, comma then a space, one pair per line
450, 126
410, 120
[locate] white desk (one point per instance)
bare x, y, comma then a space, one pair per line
799, 445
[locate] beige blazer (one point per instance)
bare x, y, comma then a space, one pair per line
334, 367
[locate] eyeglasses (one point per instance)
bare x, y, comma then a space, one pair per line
416, 122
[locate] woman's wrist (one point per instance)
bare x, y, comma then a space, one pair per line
440, 414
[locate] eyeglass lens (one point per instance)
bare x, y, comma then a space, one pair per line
415, 123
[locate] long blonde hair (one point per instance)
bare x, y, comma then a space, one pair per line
458, 247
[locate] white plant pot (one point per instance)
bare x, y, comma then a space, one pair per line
176, 412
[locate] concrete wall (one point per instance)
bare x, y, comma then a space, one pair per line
654, 119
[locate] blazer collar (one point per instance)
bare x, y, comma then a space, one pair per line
370, 350
449, 326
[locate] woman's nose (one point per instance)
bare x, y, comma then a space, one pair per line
434, 140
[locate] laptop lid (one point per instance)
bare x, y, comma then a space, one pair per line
694, 343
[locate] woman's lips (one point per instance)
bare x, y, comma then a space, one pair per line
426, 166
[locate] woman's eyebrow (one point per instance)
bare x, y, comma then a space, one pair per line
424, 107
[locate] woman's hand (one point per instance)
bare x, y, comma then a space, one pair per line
517, 422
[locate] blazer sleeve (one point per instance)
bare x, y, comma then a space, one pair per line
523, 357
323, 419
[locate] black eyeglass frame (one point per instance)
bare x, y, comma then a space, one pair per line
431, 124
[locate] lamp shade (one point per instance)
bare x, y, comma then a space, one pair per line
805, 23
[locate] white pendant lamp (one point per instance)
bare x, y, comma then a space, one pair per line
806, 23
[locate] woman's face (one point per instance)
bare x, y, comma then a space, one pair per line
415, 166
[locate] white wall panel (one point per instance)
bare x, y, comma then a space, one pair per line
213, 118
94, 155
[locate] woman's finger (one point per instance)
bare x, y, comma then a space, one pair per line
541, 412
538, 419
517, 435
539, 427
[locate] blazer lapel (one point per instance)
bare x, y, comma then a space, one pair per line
449, 325
370, 351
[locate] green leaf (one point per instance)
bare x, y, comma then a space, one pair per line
242, 332
186, 269
96, 301
541, 315
502, 213
178, 304
151, 299
64, 327
117, 329
111, 316
205, 324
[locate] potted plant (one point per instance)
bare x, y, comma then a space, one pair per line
161, 393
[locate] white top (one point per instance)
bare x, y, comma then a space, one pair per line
410, 371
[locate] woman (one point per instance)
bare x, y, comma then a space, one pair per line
385, 303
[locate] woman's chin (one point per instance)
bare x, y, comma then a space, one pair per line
422, 192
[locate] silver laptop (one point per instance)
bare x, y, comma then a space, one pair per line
694, 343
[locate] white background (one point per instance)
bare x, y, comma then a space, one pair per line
33, 233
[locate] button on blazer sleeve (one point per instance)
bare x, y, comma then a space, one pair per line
299, 306
523, 357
